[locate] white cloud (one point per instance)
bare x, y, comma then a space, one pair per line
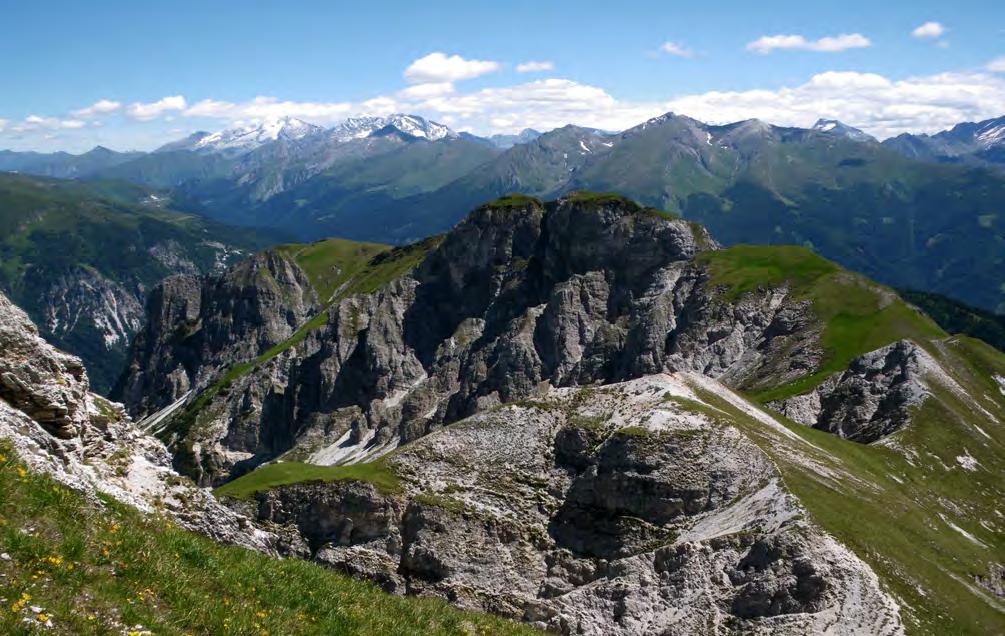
541, 104
929, 30
878, 105
535, 67
438, 67
214, 109
264, 108
150, 111
672, 48
3, 124
830, 44
100, 107
39, 122
996, 65
425, 91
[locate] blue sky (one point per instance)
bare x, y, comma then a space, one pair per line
608, 64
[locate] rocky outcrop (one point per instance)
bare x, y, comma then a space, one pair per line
82, 300
871, 398
58, 426
628, 509
199, 326
517, 297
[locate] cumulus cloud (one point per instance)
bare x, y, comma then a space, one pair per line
830, 44
672, 48
439, 67
535, 67
266, 108
39, 122
100, 107
996, 65
425, 91
878, 105
541, 104
929, 30
152, 110
3, 124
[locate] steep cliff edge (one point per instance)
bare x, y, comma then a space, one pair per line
520, 296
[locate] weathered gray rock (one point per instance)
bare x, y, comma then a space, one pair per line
596, 511
871, 398
197, 327
58, 426
514, 299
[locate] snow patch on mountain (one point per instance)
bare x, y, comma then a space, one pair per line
412, 125
240, 139
834, 127
992, 133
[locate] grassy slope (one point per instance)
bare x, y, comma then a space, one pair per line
331, 263
285, 473
100, 570
858, 316
892, 503
904, 223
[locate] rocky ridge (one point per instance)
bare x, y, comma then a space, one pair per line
56, 425
519, 297
634, 508
460, 444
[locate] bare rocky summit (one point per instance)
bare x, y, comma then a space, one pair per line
634, 508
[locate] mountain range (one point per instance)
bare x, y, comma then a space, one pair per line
927, 221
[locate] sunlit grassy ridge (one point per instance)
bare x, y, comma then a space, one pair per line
104, 570
893, 503
330, 263
856, 314
284, 473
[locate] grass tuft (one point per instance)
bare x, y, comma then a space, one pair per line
279, 474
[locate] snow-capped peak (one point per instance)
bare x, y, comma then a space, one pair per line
834, 127
991, 133
248, 137
412, 125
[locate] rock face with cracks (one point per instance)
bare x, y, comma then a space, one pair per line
628, 509
515, 299
868, 400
